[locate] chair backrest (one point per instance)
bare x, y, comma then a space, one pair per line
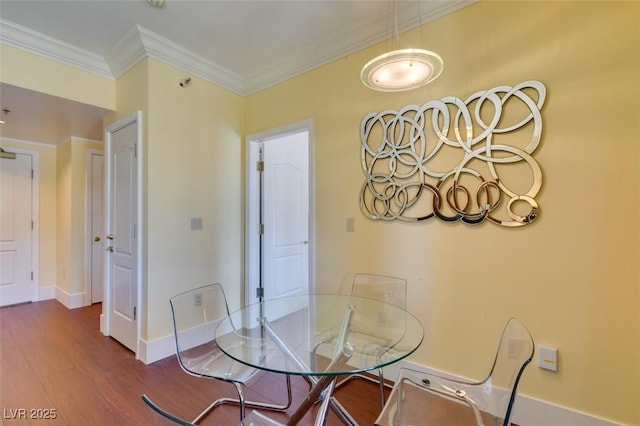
392, 292
196, 314
515, 352
425, 398
384, 288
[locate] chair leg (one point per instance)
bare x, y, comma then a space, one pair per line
379, 381
164, 413
240, 401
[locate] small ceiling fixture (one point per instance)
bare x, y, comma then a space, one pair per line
402, 69
8, 155
156, 3
5, 111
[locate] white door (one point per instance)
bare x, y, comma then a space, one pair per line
122, 233
16, 283
96, 218
285, 200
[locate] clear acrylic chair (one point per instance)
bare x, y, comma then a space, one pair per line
427, 399
196, 314
391, 290
256, 418
166, 414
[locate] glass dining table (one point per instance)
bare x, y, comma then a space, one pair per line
321, 337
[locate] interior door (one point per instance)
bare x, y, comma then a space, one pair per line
285, 200
97, 227
16, 283
122, 234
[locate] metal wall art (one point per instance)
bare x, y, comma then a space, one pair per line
469, 160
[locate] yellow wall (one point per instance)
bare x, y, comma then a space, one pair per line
193, 170
36, 73
573, 276
71, 170
192, 144
63, 225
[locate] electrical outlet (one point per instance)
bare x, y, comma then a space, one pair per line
198, 299
548, 358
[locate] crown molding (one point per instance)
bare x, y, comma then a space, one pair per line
126, 53
25, 39
136, 45
140, 43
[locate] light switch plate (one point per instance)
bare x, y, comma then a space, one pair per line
351, 225
196, 224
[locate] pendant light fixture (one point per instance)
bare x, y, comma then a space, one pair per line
402, 69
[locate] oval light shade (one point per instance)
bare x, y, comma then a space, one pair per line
400, 70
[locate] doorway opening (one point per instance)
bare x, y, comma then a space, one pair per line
279, 215
94, 234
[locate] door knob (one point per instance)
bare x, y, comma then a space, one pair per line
109, 249
305, 242
96, 239
110, 237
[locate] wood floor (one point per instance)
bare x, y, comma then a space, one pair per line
55, 362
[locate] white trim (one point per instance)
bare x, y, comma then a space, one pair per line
46, 293
69, 300
31, 41
135, 117
127, 52
35, 216
87, 140
252, 191
22, 141
102, 321
531, 411
157, 349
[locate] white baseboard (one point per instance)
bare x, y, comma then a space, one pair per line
71, 301
45, 293
155, 350
527, 411
530, 411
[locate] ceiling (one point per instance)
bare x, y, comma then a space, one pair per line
242, 45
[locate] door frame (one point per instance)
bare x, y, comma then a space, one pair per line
88, 225
135, 117
253, 204
36, 293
